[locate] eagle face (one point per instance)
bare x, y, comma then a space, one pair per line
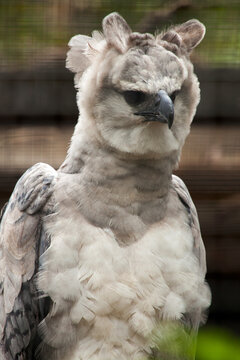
137, 101
139, 89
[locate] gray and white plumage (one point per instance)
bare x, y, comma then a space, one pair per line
95, 255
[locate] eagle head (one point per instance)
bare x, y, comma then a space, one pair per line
138, 91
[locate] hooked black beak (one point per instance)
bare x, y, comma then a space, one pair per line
161, 109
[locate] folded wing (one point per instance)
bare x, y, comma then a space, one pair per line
22, 240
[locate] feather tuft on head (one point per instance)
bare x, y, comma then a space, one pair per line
116, 31
83, 49
183, 37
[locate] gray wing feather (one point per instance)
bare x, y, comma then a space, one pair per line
20, 234
192, 320
186, 199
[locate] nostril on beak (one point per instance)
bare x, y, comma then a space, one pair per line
157, 100
165, 106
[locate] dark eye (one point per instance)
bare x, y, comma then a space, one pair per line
134, 97
173, 95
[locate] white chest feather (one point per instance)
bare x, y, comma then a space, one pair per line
107, 298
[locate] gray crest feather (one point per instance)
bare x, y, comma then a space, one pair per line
192, 32
83, 50
77, 60
116, 31
186, 36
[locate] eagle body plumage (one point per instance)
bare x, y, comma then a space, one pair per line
95, 256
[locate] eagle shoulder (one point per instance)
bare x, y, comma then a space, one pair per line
185, 198
20, 240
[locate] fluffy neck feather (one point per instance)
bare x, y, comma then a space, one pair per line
123, 192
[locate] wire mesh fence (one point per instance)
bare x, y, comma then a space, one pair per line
33, 40
34, 32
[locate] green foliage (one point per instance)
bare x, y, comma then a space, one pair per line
217, 344
172, 341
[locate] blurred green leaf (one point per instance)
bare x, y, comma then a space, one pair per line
171, 340
217, 344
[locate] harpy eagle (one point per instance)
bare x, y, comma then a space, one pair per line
98, 254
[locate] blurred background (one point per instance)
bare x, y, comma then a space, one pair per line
38, 112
